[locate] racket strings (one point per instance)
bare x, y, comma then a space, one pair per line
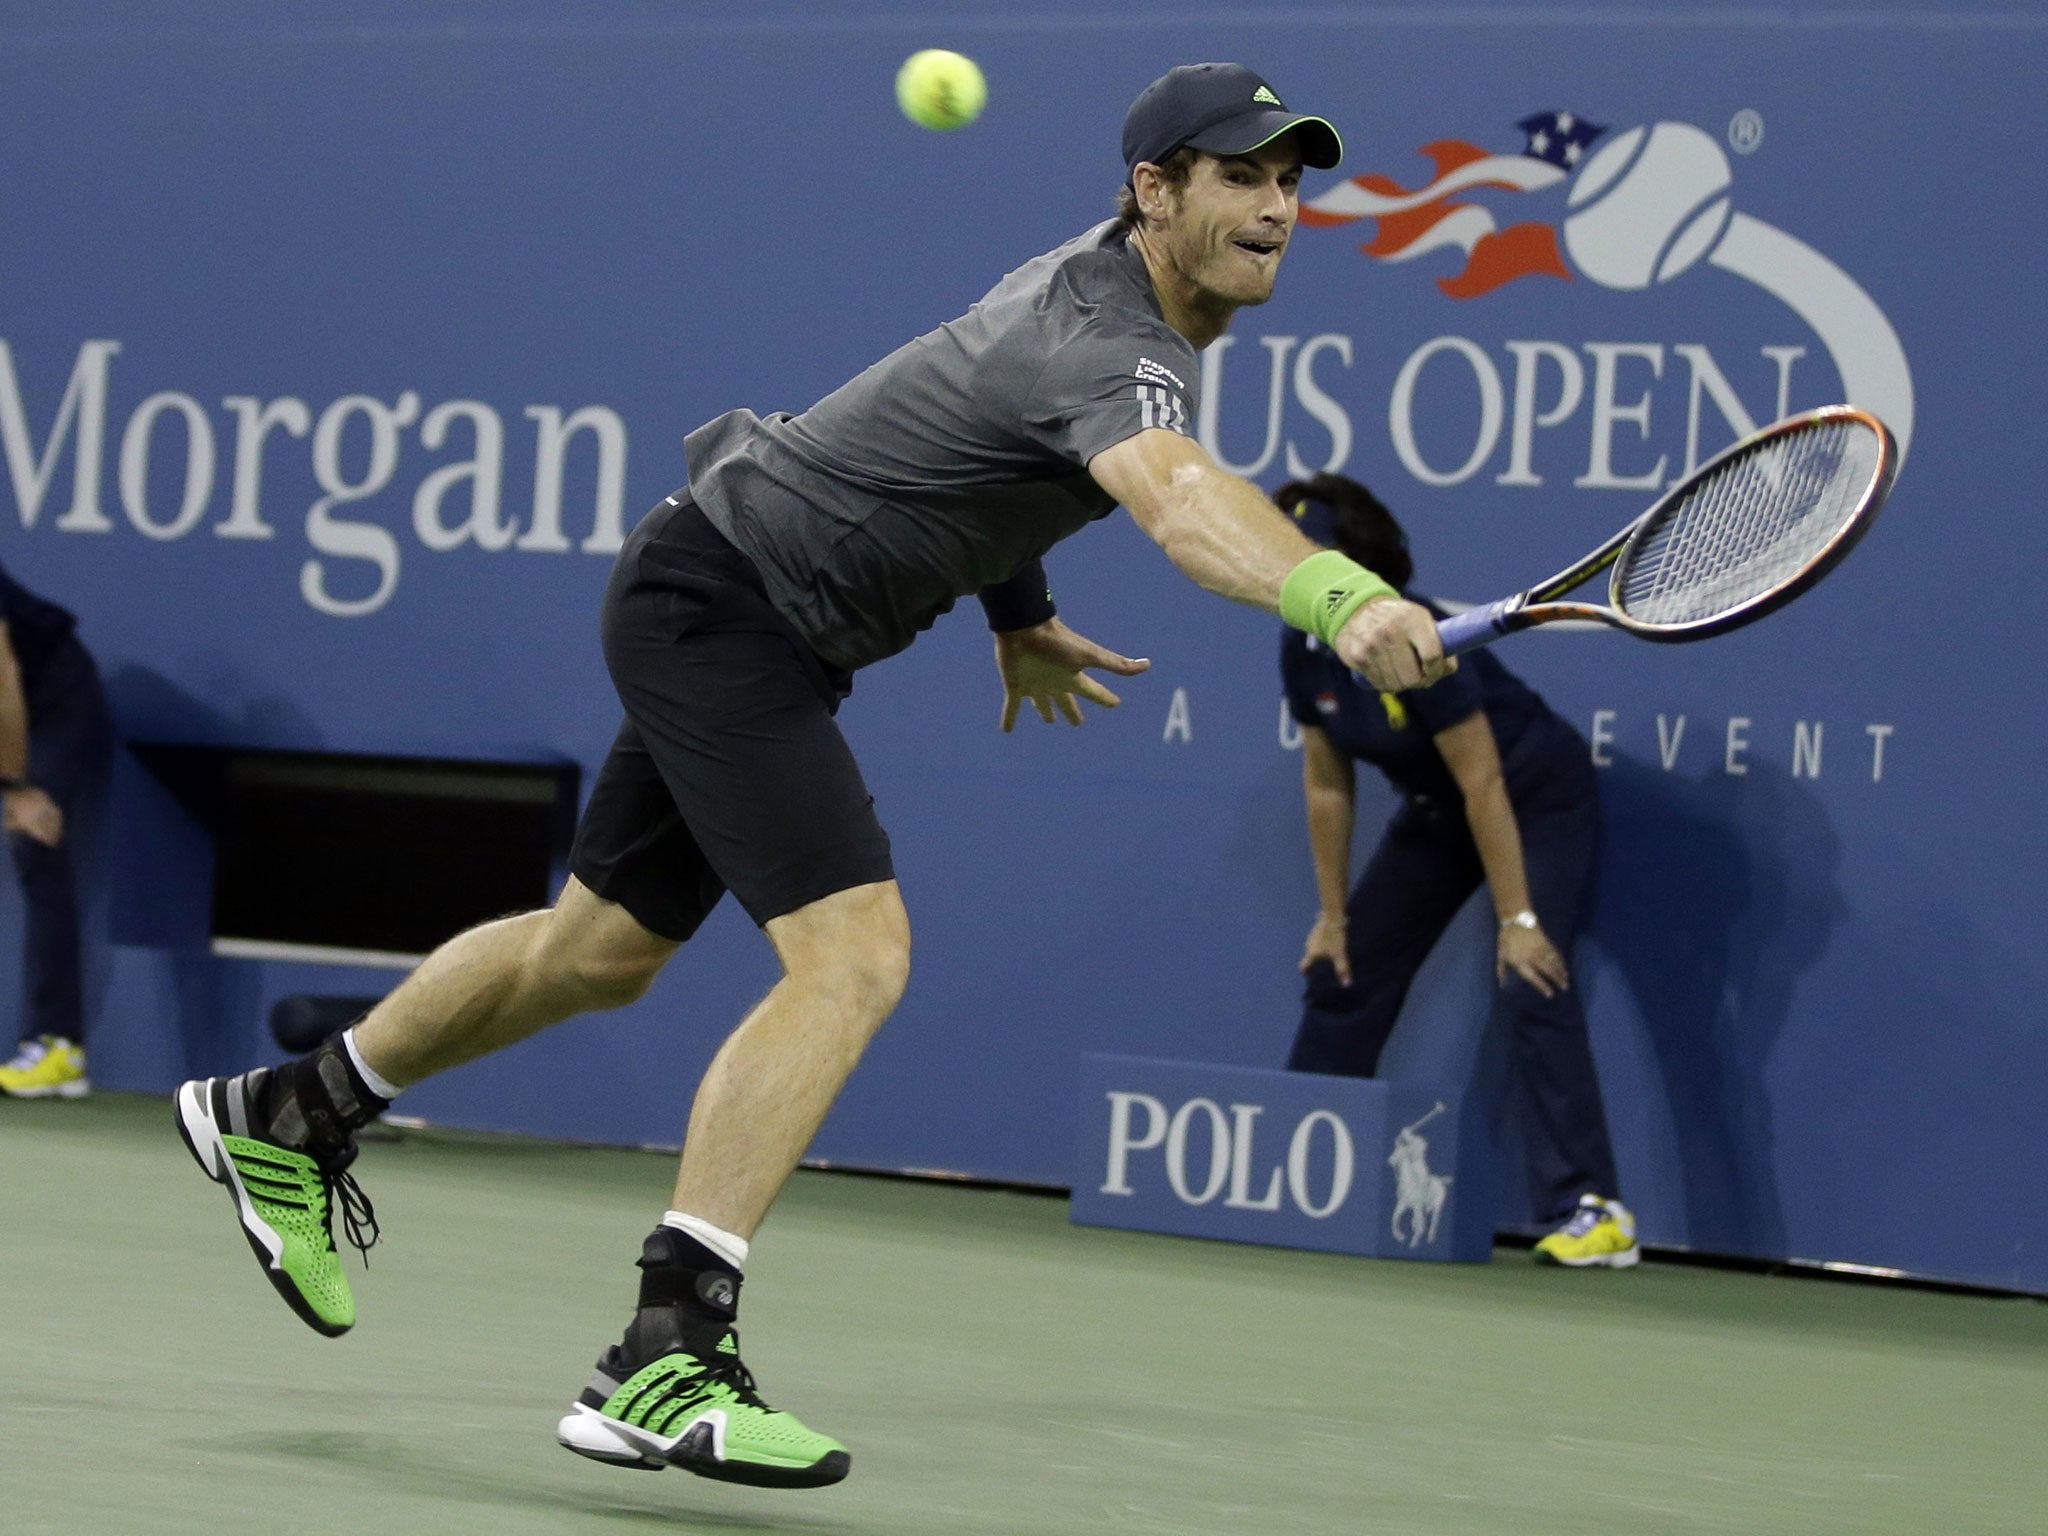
1744, 531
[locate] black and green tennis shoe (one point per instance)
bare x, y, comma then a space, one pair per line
283, 1197
675, 1394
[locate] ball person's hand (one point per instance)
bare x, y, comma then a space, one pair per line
1529, 953
34, 814
1043, 664
1326, 942
1393, 645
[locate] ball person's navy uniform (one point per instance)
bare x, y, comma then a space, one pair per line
69, 738
805, 547
1424, 869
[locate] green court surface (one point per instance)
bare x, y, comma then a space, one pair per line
994, 1369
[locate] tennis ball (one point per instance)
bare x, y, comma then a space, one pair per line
940, 89
1647, 206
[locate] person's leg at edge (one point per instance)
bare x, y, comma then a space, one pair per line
1411, 888
1573, 1184
69, 745
673, 1392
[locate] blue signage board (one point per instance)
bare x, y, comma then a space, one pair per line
1396, 1170
341, 344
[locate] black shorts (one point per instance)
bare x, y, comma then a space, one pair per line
729, 773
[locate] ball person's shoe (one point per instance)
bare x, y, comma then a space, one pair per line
283, 1197
1600, 1232
47, 1068
675, 1394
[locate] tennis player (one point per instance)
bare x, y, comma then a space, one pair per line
802, 549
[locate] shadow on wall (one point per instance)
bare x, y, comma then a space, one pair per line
160, 869
1715, 894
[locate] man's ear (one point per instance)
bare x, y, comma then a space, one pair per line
1150, 188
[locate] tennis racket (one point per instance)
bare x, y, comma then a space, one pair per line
1740, 537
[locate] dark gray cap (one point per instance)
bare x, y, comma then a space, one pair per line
1221, 109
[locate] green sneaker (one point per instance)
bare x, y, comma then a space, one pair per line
675, 1394
283, 1197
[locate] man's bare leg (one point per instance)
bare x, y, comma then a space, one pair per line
495, 985
845, 960
673, 1392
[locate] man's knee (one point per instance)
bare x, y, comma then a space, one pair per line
854, 944
598, 952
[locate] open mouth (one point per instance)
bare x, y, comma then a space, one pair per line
1259, 247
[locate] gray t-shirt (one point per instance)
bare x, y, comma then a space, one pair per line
956, 461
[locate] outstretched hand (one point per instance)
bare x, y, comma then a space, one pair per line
1044, 664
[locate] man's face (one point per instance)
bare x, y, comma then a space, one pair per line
1226, 229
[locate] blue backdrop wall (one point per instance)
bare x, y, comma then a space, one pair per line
341, 345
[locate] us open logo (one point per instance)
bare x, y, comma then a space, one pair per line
1639, 208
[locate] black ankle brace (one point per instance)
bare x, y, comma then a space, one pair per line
318, 1102
678, 1271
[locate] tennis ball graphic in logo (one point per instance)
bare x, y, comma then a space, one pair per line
937, 88
1647, 205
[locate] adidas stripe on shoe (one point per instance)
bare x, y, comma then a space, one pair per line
283, 1198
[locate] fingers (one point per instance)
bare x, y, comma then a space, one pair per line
1122, 666
1544, 970
1095, 693
1394, 645
1011, 700
1068, 708
1342, 962
1043, 705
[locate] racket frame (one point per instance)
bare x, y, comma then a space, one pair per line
1541, 604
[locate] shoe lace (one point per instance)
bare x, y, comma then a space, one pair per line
731, 1373
31, 1052
358, 1217
1584, 1220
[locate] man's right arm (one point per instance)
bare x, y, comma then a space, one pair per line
1225, 533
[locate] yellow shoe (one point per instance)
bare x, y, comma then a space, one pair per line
49, 1068
1600, 1232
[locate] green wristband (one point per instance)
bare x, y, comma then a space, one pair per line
1320, 594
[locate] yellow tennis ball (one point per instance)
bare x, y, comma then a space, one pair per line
938, 88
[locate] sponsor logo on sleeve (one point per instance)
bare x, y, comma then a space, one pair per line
1162, 398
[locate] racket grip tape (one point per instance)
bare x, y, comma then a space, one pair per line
1475, 627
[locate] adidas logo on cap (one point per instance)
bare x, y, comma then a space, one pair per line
1265, 93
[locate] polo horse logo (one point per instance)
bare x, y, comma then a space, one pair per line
1420, 1196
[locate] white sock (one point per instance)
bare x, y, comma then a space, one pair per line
376, 1084
728, 1246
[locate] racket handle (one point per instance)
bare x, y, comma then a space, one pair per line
1473, 628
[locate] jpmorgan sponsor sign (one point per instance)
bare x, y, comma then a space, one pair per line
1347, 1165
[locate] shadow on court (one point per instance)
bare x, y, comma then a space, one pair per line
402, 1466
